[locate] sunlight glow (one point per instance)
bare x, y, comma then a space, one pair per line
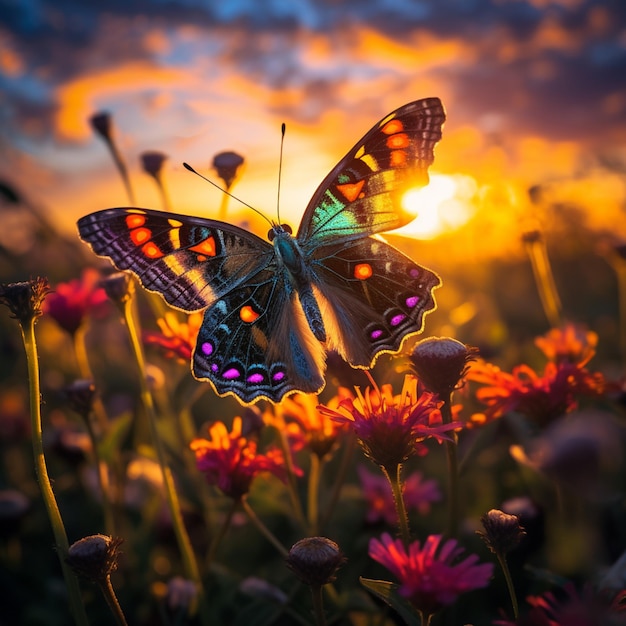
444, 204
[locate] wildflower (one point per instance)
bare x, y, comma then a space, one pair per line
431, 577
309, 425
231, 462
570, 344
502, 531
227, 165
541, 398
418, 494
95, 557
25, 299
441, 362
315, 560
119, 287
71, 302
101, 122
80, 397
176, 338
152, 163
181, 593
391, 428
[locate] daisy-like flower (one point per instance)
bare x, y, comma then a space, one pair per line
570, 344
176, 338
391, 429
418, 493
71, 302
542, 398
231, 461
306, 425
431, 576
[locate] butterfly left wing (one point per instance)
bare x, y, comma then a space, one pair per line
362, 194
190, 261
374, 298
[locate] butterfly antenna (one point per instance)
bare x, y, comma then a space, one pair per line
283, 128
208, 180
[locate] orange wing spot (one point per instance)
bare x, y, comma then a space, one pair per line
351, 191
135, 220
152, 251
140, 235
206, 247
248, 314
398, 158
363, 271
399, 140
392, 127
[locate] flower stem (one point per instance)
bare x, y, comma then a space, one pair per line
77, 607
542, 271
395, 480
509, 583
184, 544
318, 605
453, 471
109, 595
263, 529
313, 494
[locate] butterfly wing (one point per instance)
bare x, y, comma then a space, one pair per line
254, 341
190, 261
374, 298
362, 194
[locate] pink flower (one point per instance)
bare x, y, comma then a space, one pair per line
418, 494
71, 302
431, 577
391, 428
231, 462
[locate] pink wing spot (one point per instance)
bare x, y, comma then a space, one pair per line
375, 334
414, 272
412, 301
207, 348
278, 376
231, 373
397, 319
255, 378
214, 367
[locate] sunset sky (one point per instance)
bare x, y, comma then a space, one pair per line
535, 93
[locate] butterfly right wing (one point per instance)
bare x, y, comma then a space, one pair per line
190, 261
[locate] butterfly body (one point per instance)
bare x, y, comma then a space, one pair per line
274, 308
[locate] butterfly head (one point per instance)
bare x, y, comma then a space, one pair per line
279, 229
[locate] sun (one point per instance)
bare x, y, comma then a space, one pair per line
444, 204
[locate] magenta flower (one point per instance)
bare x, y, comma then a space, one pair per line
417, 492
391, 428
71, 302
431, 577
231, 461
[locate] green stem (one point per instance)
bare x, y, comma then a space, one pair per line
184, 544
217, 539
109, 595
395, 480
313, 494
77, 607
509, 583
263, 529
453, 472
318, 605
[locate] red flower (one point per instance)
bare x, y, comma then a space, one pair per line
418, 494
431, 577
570, 344
231, 462
542, 398
391, 428
71, 302
176, 338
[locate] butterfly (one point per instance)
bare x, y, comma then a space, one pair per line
272, 309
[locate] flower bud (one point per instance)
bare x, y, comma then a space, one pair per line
80, 396
24, 299
314, 560
227, 165
119, 287
440, 363
502, 531
95, 557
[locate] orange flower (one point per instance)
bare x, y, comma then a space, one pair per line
231, 461
570, 344
177, 339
